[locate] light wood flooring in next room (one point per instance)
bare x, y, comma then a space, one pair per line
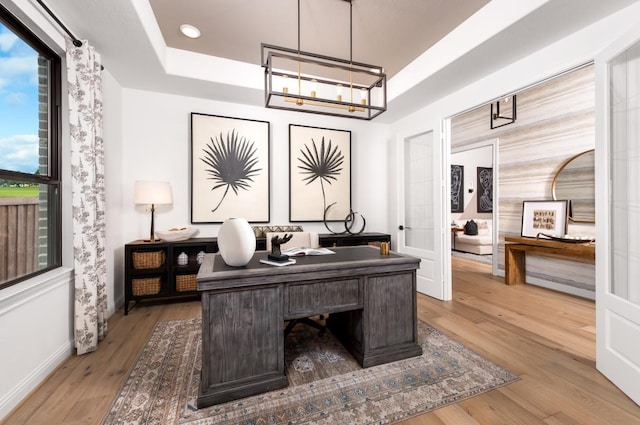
546, 338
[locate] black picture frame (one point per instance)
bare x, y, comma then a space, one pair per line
230, 175
319, 174
457, 186
485, 189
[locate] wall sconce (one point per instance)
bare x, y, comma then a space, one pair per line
507, 115
470, 188
152, 193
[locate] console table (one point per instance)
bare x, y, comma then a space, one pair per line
515, 249
371, 299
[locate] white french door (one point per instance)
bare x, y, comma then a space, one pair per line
421, 207
618, 213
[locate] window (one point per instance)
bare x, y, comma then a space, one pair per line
30, 229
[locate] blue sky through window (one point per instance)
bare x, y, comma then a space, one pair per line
18, 103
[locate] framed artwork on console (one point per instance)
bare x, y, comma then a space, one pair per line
229, 169
548, 217
319, 174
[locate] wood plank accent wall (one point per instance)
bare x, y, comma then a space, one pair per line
555, 120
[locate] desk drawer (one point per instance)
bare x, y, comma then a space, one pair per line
311, 298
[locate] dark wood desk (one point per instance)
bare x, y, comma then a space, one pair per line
371, 299
515, 249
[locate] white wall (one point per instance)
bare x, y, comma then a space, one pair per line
35, 333
113, 170
156, 146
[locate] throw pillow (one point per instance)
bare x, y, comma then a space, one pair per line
471, 228
483, 228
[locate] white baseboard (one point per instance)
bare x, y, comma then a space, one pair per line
45, 296
16, 394
568, 289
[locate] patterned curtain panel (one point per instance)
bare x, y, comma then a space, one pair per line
84, 82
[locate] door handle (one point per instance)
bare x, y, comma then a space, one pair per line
401, 227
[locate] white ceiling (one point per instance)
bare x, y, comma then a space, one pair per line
141, 47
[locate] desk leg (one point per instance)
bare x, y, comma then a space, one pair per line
514, 265
242, 344
385, 330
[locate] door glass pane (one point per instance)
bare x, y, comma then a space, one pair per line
418, 196
624, 87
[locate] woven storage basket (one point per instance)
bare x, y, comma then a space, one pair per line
145, 286
148, 259
186, 282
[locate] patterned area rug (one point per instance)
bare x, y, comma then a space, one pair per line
326, 385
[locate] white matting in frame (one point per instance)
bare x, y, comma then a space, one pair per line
319, 173
229, 169
549, 217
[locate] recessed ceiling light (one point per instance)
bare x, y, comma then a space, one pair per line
190, 31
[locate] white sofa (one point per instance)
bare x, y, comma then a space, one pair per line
481, 244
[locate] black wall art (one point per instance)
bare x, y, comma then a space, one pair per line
319, 174
485, 189
457, 183
229, 169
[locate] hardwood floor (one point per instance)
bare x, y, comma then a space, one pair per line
546, 338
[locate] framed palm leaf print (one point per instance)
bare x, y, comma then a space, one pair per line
229, 169
319, 174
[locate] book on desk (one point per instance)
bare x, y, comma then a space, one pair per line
296, 252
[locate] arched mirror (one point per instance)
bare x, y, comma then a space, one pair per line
575, 181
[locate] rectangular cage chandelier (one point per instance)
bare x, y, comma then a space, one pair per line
295, 80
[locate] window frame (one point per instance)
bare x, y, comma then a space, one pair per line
54, 124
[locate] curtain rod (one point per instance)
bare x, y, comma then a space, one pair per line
76, 41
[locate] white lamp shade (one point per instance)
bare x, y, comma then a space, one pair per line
147, 192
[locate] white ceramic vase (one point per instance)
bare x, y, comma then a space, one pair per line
236, 242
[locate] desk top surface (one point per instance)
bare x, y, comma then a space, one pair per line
346, 261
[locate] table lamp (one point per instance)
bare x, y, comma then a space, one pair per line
152, 193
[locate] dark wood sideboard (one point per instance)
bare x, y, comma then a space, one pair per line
152, 271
